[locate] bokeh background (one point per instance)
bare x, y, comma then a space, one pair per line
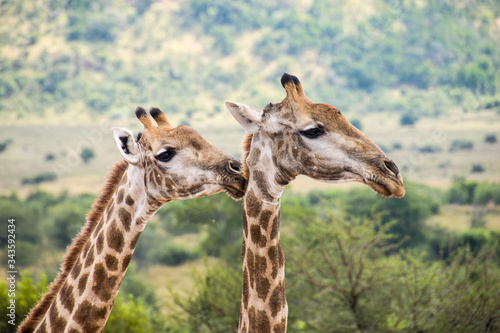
420, 77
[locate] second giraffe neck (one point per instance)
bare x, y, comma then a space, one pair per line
89, 289
263, 306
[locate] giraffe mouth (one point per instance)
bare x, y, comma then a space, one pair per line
386, 187
234, 192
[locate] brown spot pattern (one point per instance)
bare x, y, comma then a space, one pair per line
126, 262
262, 283
256, 235
245, 288
277, 299
134, 241
90, 257
100, 242
245, 223
57, 323
76, 269
111, 262
265, 217
87, 316
260, 180
101, 283
275, 227
120, 195
253, 204
272, 253
125, 217
259, 321
251, 267
43, 327
114, 237
281, 327
66, 297
86, 250
129, 201
82, 283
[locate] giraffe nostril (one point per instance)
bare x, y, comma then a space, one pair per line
392, 167
234, 166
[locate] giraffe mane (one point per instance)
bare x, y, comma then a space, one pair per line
76, 247
247, 142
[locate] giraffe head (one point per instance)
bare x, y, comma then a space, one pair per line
316, 140
176, 162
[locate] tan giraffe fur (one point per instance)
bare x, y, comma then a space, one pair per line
166, 164
293, 137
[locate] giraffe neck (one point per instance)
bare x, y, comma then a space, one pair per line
88, 289
263, 305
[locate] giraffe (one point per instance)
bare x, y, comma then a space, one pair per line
166, 163
284, 140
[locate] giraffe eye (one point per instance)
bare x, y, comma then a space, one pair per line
313, 132
166, 155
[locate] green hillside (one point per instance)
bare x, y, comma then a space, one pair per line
419, 77
86, 58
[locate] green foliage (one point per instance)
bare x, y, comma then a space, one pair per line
39, 178
219, 215
465, 191
26, 294
130, 314
336, 277
480, 76
172, 254
68, 218
213, 305
462, 191
461, 145
87, 154
485, 193
477, 168
101, 61
408, 119
490, 138
4, 145
408, 213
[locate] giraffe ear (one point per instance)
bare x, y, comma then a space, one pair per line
248, 117
126, 144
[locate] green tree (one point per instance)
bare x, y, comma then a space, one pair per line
87, 154
213, 306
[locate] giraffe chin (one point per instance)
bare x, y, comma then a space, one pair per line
395, 190
233, 192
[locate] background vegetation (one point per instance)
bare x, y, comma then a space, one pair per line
419, 77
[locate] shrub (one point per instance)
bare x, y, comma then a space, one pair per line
26, 295
131, 314
172, 255
490, 138
4, 145
429, 149
87, 154
486, 192
39, 178
477, 168
68, 218
461, 145
408, 119
213, 305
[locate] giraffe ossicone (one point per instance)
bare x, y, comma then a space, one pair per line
293, 137
167, 163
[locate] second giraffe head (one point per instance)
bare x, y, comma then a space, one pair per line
177, 162
316, 140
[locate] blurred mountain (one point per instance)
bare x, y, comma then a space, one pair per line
187, 57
